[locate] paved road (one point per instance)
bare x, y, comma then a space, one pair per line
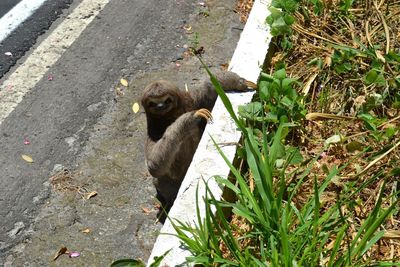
22, 38
6, 5
78, 116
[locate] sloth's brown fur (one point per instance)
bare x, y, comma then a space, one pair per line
175, 122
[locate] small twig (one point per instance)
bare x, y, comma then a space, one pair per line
391, 250
228, 144
327, 116
379, 192
307, 86
372, 163
393, 199
299, 29
378, 127
385, 27
367, 34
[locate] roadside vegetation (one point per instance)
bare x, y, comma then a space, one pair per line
317, 179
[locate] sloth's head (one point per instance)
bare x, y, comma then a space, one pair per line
161, 98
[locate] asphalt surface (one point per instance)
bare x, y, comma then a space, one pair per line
81, 120
25, 36
6, 5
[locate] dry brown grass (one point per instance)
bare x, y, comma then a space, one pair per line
243, 8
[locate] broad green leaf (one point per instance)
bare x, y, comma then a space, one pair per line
280, 74
370, 77
295, 156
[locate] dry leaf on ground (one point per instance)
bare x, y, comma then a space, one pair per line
86, 230
27, 158
124, 82
90, 195
135, 107
61, 251
146, 210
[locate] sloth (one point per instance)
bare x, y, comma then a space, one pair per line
175, 123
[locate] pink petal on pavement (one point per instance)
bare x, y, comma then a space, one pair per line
74, 254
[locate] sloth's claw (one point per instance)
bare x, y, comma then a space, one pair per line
251, 85
204, 113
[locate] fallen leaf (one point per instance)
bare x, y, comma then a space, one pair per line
328, 61
74, 254
26, 142
380, 56
61, 251
91, 194
359, 100
86, 230
135, 107
8, 54
50, 77
146, 210
224, 66
334, 139
124, 82
27, 158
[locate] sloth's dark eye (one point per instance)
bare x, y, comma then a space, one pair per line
168, 101
152, 104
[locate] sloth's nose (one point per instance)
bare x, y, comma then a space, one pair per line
161, 106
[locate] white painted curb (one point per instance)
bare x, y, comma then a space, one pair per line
207, 162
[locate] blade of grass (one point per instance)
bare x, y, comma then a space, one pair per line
246, 192
338, 241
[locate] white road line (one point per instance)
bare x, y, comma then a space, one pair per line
25, 77
17, 15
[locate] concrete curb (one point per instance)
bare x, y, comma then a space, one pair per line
207, 162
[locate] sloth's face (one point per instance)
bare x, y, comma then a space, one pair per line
160, 98
160, 105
